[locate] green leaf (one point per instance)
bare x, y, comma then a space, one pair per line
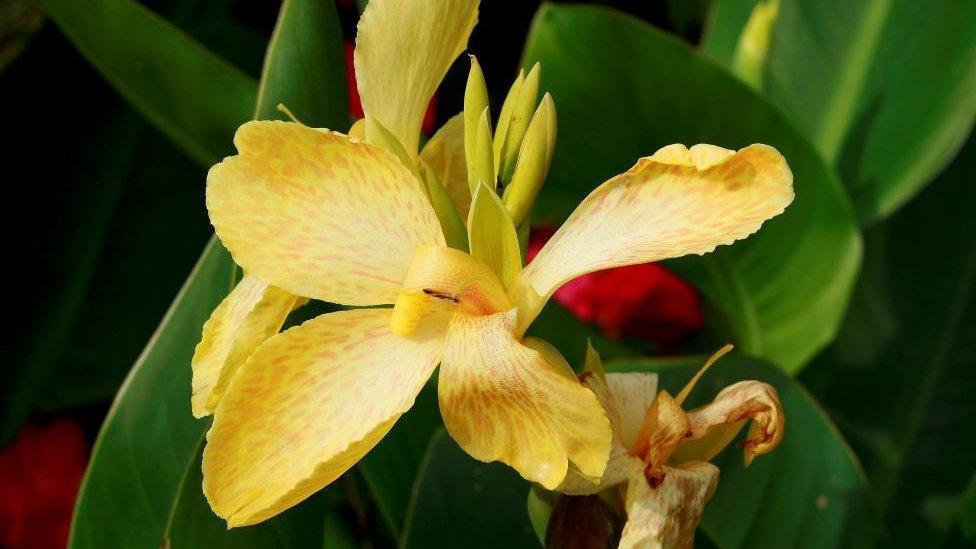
809, 492
193, 524
192, 96
149, 438
306, 48
895, 91
899, 377
464, 503
130, 496
392, 466
623, 89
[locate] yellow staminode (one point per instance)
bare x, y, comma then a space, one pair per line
314, 213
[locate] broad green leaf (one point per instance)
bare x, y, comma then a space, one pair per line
192, 96
392, 466
193, 524
895, 86
306, 49
624, 89
809, 492
464, 503
149, 439
899, 377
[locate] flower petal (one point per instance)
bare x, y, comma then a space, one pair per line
625, 397
665, 426
445, 276
632, 394
666, 516
250, 314
502, 401
444, 154
667, 205
403, 51
714, 426
307, 405
319, 215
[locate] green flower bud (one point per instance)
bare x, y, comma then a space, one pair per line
534, 158
482, 167
521, 114
475, 103
752, 51
505, 116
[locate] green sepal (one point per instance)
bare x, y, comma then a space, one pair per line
492, 236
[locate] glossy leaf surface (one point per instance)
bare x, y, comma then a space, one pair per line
895, 86
623, 89
898, 378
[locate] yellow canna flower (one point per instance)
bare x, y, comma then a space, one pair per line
366, 223
660, 451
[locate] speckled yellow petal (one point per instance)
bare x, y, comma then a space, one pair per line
250, 314
668, 205
307, 405
501, 401
715, 425
444, 154
318, 215
403, 51
666, 516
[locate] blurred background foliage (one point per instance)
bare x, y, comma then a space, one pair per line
857, 304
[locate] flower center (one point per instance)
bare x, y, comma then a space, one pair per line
445, 276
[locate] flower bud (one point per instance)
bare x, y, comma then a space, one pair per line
507, 153
505, 116
475, 103
482, 166
749, 59
534, 157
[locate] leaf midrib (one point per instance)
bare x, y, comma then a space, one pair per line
855, 69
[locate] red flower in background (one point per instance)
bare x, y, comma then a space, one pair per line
39, 478
356, 106
643, 301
